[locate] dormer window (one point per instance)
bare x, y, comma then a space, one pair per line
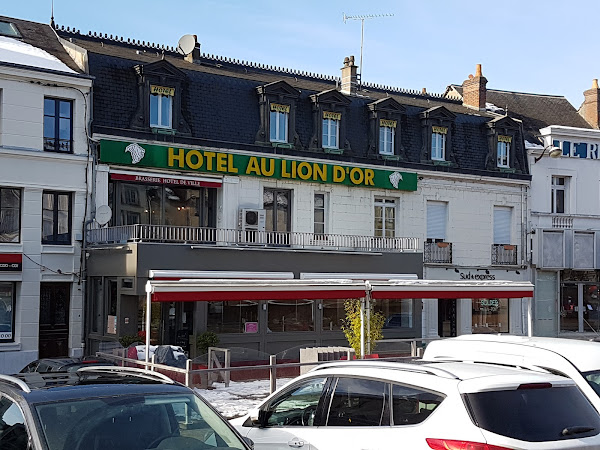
278, 120
387, 135
161, 106
438, 143
331, 129
503, 150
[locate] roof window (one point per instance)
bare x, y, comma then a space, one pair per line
9, 29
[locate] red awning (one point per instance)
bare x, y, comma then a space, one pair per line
443, 289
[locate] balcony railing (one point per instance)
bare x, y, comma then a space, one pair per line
437, 252
562, 222
229, 237
504, 254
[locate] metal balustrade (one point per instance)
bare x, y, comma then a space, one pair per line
437, 252
503, 254
230, 237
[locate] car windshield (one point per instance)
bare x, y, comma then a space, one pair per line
135, 422
593, 378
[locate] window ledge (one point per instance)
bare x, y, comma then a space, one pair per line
437, 162
68, 249
10, 347
170, 131
282, 145
390, 157
334, 151
507, 169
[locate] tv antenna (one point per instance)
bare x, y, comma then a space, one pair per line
362, 18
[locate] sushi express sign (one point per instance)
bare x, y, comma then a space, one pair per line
208, 161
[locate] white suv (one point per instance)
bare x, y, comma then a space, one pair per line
448, 405
576, 359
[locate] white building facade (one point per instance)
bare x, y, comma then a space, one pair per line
44, 164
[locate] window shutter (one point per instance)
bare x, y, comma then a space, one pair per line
436, 220
502, 224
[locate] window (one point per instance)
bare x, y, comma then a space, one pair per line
358, 402
398, 313
490, 315
161, 106
56, 218
319, 213
503, 151
7, 311
333, 314
13, 434
9, 29
58, 125
331, 129
278, 122
438, 143
385, 217
411, 405
583, 250
436, 220
559, 189
298, 406
291, 315
233, 317
502, 224
10, 215
387, 132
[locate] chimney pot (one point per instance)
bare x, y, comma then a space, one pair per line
595, 83
478, 70
424, 91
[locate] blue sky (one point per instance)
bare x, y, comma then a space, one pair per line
537, 46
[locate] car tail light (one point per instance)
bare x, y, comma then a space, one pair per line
535, 386
448, 444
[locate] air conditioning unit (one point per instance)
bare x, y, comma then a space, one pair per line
252, 219
252, 225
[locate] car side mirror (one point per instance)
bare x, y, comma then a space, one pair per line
248, 442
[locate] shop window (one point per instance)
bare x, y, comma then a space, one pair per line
398, 313
56, 218
490, 315
333, 315
319, 213
558, 199
438, 143
96, 307
58, 125
7, 311
10, 215
385, 217
290, 315
233, 317
161, 106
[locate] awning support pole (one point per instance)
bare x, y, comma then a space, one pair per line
148, 317
368, 307
362, 328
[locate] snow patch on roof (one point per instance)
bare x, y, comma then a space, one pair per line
533, 146
16, 52
493, 108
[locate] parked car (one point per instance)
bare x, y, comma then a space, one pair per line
64, 364
576, 359
110, 407
451, 405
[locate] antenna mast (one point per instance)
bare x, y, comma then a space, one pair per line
362, 34
52, 15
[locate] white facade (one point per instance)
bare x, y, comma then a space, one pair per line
27, 168
564, 233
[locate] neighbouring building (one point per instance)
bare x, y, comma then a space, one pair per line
44, 166
563, 206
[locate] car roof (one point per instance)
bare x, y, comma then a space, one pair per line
584, 355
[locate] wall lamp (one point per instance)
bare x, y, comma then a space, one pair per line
553, 152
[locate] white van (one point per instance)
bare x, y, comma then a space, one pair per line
576, 359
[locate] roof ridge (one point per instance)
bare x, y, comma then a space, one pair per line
527, 93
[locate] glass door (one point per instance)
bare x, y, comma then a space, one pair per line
569, 308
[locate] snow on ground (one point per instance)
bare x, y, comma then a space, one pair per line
239, 397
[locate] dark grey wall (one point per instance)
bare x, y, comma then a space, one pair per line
140, 258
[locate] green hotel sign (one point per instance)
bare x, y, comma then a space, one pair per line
225, 163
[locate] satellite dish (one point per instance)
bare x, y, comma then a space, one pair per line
103, 214
186, 44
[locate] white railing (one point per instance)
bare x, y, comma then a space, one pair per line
229, 237
562, 222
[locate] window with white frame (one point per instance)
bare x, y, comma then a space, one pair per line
331, 129
387, 134
437, 213
278, 122
559, 194
161, 106
503, 151
438, 143
502, 224
385, 217
319, 213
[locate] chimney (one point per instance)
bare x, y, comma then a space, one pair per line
349, 76
194, 56
474, 91
589, 110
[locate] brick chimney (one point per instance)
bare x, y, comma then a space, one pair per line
474, 91
349, 76
589, 109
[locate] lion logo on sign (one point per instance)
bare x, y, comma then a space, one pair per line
137, 152
395, 178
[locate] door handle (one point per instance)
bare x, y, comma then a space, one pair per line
296, 443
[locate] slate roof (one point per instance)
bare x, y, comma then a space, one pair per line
534, 110
221, 92
42, 36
